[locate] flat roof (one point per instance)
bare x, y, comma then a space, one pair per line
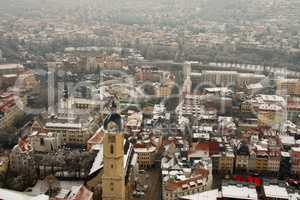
287, 140
208, 195
63, 125
6, 194
266, 97
276, 191
10, 75
10, 66
218, 72
239, 191
145, 150
218, 89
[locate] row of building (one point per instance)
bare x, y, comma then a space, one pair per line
270, 190
183, 175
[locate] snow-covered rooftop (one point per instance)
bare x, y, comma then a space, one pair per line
14, 195
276, 191
145, 150
208, 195
63, 125
98, 160
239, 192
287, 140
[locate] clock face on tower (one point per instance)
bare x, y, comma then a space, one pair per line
112, 127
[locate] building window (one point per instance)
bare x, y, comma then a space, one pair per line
112, 166
42, 142
112, 186
112, 149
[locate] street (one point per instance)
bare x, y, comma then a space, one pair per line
151, 178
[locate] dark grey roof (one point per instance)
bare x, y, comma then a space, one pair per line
243, 149
113, 117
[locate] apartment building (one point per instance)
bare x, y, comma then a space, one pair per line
146, 155
10, 69
164, 89
226, 162
45, 142
242, 157
73, 129
295, 160
219, 78
288, 87
9, 110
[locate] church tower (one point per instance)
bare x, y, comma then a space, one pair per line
113, 179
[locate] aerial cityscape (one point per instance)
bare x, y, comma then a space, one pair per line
150, 100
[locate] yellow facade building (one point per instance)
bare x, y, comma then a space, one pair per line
115, 167
164, 89
262, 162
69, 128
226, 162
288, 87
146, 156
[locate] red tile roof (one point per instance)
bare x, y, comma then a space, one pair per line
173, 185
97, 138
83, 194
24, 145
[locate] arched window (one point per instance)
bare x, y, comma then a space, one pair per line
112, 149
